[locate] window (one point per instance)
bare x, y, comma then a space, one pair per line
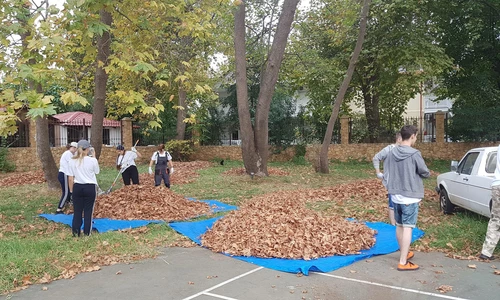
491, 163
235, 135
105, 136
466, 165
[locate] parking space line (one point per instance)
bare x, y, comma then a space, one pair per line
223, 283
392, 287
219, 296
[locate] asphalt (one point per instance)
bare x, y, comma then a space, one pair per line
197, 273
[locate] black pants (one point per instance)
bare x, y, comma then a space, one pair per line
130, 173
162, 174
84, 196
65, 196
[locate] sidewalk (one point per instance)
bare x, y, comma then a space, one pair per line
198, 273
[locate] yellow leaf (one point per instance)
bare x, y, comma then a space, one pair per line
47, 99
154, 124
161, 83
171, 98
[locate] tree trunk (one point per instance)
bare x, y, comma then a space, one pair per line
248, 152
181, 115
255, 145
44, 154
100, 81
372, 116
323, 156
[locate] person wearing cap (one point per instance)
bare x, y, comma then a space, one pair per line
62, 176
125, 162
163, 166
83, 185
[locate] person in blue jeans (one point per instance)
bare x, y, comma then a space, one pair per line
379, 157
83, 185
404, 169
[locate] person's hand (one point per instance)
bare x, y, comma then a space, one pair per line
172, 170
150, 171
133, 149
380, 175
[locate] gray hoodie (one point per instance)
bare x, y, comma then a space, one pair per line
404, 169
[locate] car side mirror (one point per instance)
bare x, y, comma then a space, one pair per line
454, 165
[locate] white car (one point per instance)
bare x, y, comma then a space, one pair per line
468, 185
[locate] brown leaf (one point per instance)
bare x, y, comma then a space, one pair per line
472, 266
444, 288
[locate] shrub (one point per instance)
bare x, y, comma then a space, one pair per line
180, 150
5, 164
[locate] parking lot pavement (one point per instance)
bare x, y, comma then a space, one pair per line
197, 273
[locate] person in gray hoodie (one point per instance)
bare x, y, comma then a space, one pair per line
404, 169
379, 157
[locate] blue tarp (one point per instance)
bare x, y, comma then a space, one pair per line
385, 243
104, 225
101, 225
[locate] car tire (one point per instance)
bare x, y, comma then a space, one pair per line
444, 201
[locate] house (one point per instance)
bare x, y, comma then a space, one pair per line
73, 126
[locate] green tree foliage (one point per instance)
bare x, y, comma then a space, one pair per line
469, 32
283, 122
398, 54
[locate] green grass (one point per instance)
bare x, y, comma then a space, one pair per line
31, 247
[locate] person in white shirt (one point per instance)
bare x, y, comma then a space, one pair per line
125, 162
83, 186
163, 166
62, 176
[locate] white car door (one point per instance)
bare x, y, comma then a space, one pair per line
458, 184
479, 192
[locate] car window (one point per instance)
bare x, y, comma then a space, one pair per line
466, 165
491, 163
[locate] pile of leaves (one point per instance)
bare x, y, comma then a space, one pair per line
145, 202
279, 225
31, 177
242, 171
184, 172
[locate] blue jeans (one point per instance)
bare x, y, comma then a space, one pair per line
390, 203
406, 214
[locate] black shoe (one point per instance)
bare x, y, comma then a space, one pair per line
58, 212
482, 256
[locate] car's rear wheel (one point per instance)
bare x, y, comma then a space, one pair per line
446, 206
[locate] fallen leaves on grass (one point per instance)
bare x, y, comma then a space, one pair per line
22, 178
141, 202
279, 225
184, 172
242, 171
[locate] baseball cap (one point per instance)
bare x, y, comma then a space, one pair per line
120, 147
84, 144
74, 144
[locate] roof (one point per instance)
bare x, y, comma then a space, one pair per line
77, 118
